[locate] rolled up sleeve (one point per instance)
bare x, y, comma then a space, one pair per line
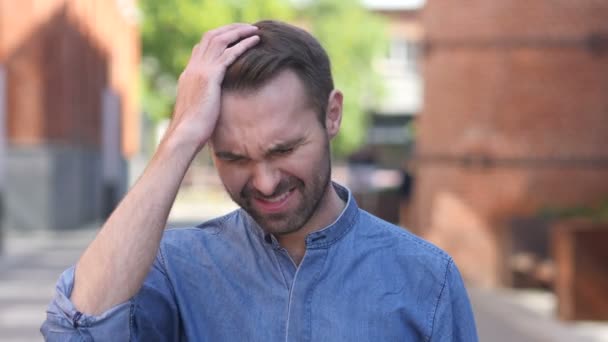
150, 315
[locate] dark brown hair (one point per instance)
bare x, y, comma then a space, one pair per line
283, 46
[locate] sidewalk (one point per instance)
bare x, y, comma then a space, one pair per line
29, 267
528, 315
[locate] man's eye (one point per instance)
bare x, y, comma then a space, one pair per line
284, 151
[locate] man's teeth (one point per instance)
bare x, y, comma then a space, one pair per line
277, 198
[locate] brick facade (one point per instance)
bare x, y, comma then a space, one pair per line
59, 56
515, 120
62, 58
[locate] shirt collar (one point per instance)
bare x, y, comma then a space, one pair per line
327, 236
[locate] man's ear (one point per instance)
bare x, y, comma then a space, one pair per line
333, 116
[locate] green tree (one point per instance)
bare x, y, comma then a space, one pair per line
171, 28
351, 36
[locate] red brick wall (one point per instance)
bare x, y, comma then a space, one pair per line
60, 55
514, 82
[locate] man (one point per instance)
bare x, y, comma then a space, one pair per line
298, 262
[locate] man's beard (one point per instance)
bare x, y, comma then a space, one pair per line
310, 196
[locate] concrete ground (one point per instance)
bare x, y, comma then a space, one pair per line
31, 263
29, 267
528, 315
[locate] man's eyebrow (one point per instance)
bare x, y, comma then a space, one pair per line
273, 149
228, 155
285, 145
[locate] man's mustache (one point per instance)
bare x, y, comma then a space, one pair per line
286, 184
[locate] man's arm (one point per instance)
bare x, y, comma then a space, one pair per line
115, 264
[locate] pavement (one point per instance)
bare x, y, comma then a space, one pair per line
29, 266
31, 263
528, 315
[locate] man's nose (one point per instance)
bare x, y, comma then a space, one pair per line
266, 178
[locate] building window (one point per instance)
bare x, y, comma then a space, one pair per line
404, 51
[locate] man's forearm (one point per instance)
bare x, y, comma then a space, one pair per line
115, 264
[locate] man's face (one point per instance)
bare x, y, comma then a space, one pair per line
272, 154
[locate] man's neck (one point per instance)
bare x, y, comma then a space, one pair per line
329, 209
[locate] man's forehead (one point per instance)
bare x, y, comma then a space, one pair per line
286, 77
283, 95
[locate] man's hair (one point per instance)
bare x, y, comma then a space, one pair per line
283, 47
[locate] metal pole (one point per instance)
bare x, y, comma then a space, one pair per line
3, 115
110, 150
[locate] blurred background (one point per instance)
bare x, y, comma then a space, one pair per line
481, 126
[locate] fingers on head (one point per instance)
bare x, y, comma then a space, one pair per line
232, 53
227, 34
195, 49
217, 42
225, 28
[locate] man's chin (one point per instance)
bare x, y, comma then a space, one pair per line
277, 223
273, 224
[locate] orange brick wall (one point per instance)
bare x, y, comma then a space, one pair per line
517, 84
59, 56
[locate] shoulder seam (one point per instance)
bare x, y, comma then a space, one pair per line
415, 239
445, 281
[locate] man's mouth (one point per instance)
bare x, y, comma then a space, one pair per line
277, 198
274, 204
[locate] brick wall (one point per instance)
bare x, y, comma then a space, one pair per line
515, 120
60, 55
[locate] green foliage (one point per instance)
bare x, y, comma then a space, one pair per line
171, 28
351, 36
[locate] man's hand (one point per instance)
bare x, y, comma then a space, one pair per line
197, 105
116, 263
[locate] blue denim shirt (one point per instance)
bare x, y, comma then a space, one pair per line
361, 279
